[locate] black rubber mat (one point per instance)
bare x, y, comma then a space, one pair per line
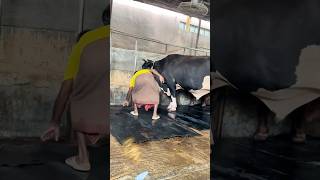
143, 128
276, 159
197, 117
32, 159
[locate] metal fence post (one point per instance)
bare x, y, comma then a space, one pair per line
135, 55
0, 11
0, 18
166, 49
81, 16
198, 35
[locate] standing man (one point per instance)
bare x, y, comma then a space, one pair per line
85, 88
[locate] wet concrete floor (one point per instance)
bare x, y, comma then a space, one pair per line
276, 159
29, 158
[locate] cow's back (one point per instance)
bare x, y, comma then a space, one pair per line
187, 71
258, 43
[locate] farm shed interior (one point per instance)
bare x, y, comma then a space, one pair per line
247, 59
177, 145
36, 38
149, 32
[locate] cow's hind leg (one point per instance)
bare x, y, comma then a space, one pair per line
205, 100
173, 104
262, 130
298, 122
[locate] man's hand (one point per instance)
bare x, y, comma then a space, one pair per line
125, 103
158, 74
53, 132
161, 79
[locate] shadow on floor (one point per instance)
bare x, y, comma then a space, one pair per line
143, 128
22, 159
276, 159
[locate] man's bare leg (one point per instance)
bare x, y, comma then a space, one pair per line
261, 133
299, 129
82, 149
155, 112
135, 110
81, 161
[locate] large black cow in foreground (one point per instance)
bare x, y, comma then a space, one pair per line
271, 50
191, 73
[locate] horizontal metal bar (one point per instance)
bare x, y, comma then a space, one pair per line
37, 28
157, 41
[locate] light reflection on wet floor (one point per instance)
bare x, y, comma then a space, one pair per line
277, 158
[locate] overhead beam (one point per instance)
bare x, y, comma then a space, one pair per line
172, 6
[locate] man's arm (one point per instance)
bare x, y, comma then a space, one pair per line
158, 74
128, 97
61, 101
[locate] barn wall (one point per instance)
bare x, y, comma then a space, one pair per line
143, 23
36, 38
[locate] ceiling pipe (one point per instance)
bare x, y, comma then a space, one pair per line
81, 16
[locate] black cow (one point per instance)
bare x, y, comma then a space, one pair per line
191, 73
258, 46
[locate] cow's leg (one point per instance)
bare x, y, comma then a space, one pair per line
298, 122
300, 135
312, 111
206, 100
262, 130
173, 104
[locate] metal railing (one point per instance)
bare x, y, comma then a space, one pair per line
193, 51
204, 50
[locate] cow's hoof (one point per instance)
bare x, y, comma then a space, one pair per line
260, 136
172, 110
155, 117
172, 115
299, 138
134, 113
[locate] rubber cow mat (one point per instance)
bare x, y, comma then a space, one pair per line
143, 128
29, 158
277, 158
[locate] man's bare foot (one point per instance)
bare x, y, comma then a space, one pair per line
134, 113
74, 163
